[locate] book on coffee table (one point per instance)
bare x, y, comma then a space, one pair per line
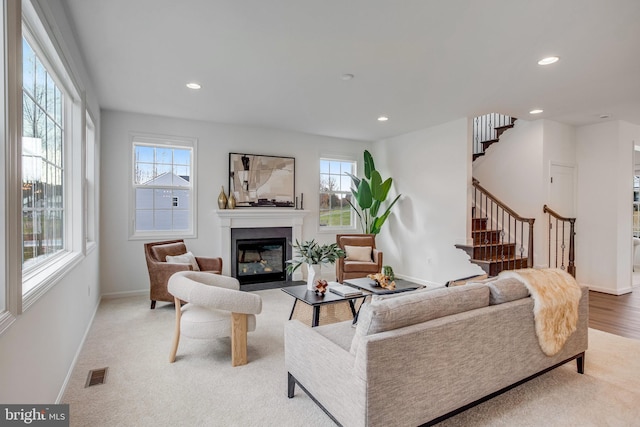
343, 290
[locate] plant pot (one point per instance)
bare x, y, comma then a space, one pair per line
313, 274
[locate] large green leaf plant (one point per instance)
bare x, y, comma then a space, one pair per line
311, 252
369, 193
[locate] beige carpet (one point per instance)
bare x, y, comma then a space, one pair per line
202, 389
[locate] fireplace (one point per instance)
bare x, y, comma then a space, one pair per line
257, 223
260, 260
259, 254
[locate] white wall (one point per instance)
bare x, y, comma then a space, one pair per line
123, 265
38, 349
604, 154
430, 169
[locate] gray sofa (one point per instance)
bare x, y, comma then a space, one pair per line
417, 358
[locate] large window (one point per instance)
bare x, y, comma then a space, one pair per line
335, 191
163, 171
42, 162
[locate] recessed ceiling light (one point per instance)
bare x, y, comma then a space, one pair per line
536, 111
383, 118
193, 85
548, 60
347, 76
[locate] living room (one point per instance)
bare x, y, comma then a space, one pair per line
428, 153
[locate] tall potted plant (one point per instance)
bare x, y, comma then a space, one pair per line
314, 255
369, 193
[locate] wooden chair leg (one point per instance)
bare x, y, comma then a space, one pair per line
238, 339
153, 304
176, 337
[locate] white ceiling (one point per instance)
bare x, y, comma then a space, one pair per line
278, 63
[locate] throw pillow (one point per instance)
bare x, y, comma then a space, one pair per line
187, 258
506, 290
410, 308
358, 253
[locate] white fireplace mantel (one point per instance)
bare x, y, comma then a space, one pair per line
257, 218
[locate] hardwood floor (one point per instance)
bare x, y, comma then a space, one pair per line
618, 315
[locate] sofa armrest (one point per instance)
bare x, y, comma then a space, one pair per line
326, 371
377, 257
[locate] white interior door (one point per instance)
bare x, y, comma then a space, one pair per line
562, 189
561, 200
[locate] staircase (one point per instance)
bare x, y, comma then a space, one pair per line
501, 239
487, 130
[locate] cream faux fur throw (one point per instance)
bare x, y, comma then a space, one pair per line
556, 295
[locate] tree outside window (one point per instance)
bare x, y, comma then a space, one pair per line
42, 162
335, 190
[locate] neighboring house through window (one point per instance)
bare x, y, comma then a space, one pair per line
335, 191
163, 187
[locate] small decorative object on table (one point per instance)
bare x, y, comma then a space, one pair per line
388, 271
321, 287
383, 281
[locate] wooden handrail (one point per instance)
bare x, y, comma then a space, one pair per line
571, 267
496, 209
547, 209
476, 184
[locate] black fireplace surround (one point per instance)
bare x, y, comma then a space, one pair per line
258, 254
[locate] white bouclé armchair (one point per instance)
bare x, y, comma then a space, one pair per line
215, 308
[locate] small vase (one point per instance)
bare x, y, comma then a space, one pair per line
222, 200
231, 202
313, 274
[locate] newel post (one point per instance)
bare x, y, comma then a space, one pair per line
571, 268
530, 257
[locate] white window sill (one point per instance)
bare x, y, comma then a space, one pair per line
163, 235
37, 282
337, 230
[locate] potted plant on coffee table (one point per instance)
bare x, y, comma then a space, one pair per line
314, 255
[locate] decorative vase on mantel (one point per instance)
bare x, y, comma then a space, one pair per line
222, 199
231, 201
313, 274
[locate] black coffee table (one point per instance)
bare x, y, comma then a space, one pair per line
300, 293
369, 285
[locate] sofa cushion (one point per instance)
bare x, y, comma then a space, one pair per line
358, 253
505, 290
360, 267
410, 308
172, 249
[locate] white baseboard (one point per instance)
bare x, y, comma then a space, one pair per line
114, 295
609, 290
418, 281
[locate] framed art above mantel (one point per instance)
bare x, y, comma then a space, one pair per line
262, 181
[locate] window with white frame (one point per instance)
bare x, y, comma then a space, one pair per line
90, 215
163, 186
52, 117
335, 193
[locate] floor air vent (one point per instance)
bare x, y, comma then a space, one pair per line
96, 376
